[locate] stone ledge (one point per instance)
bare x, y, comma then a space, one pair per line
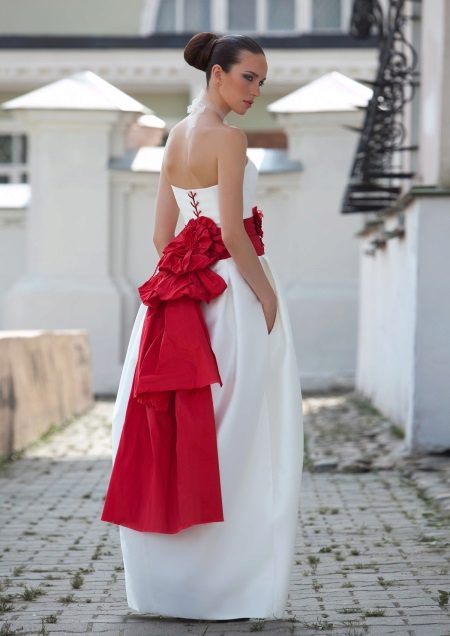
45, 378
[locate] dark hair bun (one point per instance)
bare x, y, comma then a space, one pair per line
198, 50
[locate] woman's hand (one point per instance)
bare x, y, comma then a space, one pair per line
270, 308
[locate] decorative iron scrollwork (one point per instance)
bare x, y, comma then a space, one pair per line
375, 180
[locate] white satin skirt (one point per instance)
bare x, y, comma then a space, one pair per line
240, 567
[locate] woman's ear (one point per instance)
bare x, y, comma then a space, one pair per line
216, 73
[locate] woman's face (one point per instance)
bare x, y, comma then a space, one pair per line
242, 84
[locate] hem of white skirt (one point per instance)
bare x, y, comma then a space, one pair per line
242, 615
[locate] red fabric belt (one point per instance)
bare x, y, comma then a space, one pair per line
165, 475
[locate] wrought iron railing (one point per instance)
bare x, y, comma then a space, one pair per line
376, 178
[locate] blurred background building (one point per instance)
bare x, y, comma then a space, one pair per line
139, 50
89, 92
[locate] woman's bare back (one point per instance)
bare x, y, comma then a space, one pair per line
190, 157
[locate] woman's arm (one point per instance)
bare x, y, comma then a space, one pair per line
231, 165
166, 213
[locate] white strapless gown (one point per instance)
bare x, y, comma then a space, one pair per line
239, 567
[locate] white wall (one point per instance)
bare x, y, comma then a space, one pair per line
430, 424
404, 325
386, 321
70, 17
133, 255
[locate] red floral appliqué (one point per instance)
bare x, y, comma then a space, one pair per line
183, 269
257, 219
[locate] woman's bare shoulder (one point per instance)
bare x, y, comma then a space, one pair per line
231, 139
175, 129
233, 132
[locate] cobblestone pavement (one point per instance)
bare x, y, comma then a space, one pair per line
373, 539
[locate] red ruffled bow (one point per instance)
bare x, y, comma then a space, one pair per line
166, 474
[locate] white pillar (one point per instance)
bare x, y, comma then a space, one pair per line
321, 257
67, 282
75, 126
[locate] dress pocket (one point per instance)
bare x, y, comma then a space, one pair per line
269, 333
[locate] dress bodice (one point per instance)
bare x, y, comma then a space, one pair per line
205, 201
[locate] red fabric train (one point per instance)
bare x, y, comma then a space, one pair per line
165, 475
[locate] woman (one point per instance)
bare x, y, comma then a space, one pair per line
207, 426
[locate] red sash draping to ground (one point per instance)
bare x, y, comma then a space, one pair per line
165, 475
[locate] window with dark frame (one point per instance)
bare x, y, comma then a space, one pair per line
250, 16
13, 158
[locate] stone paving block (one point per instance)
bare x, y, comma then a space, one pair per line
386, 621
375, 630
